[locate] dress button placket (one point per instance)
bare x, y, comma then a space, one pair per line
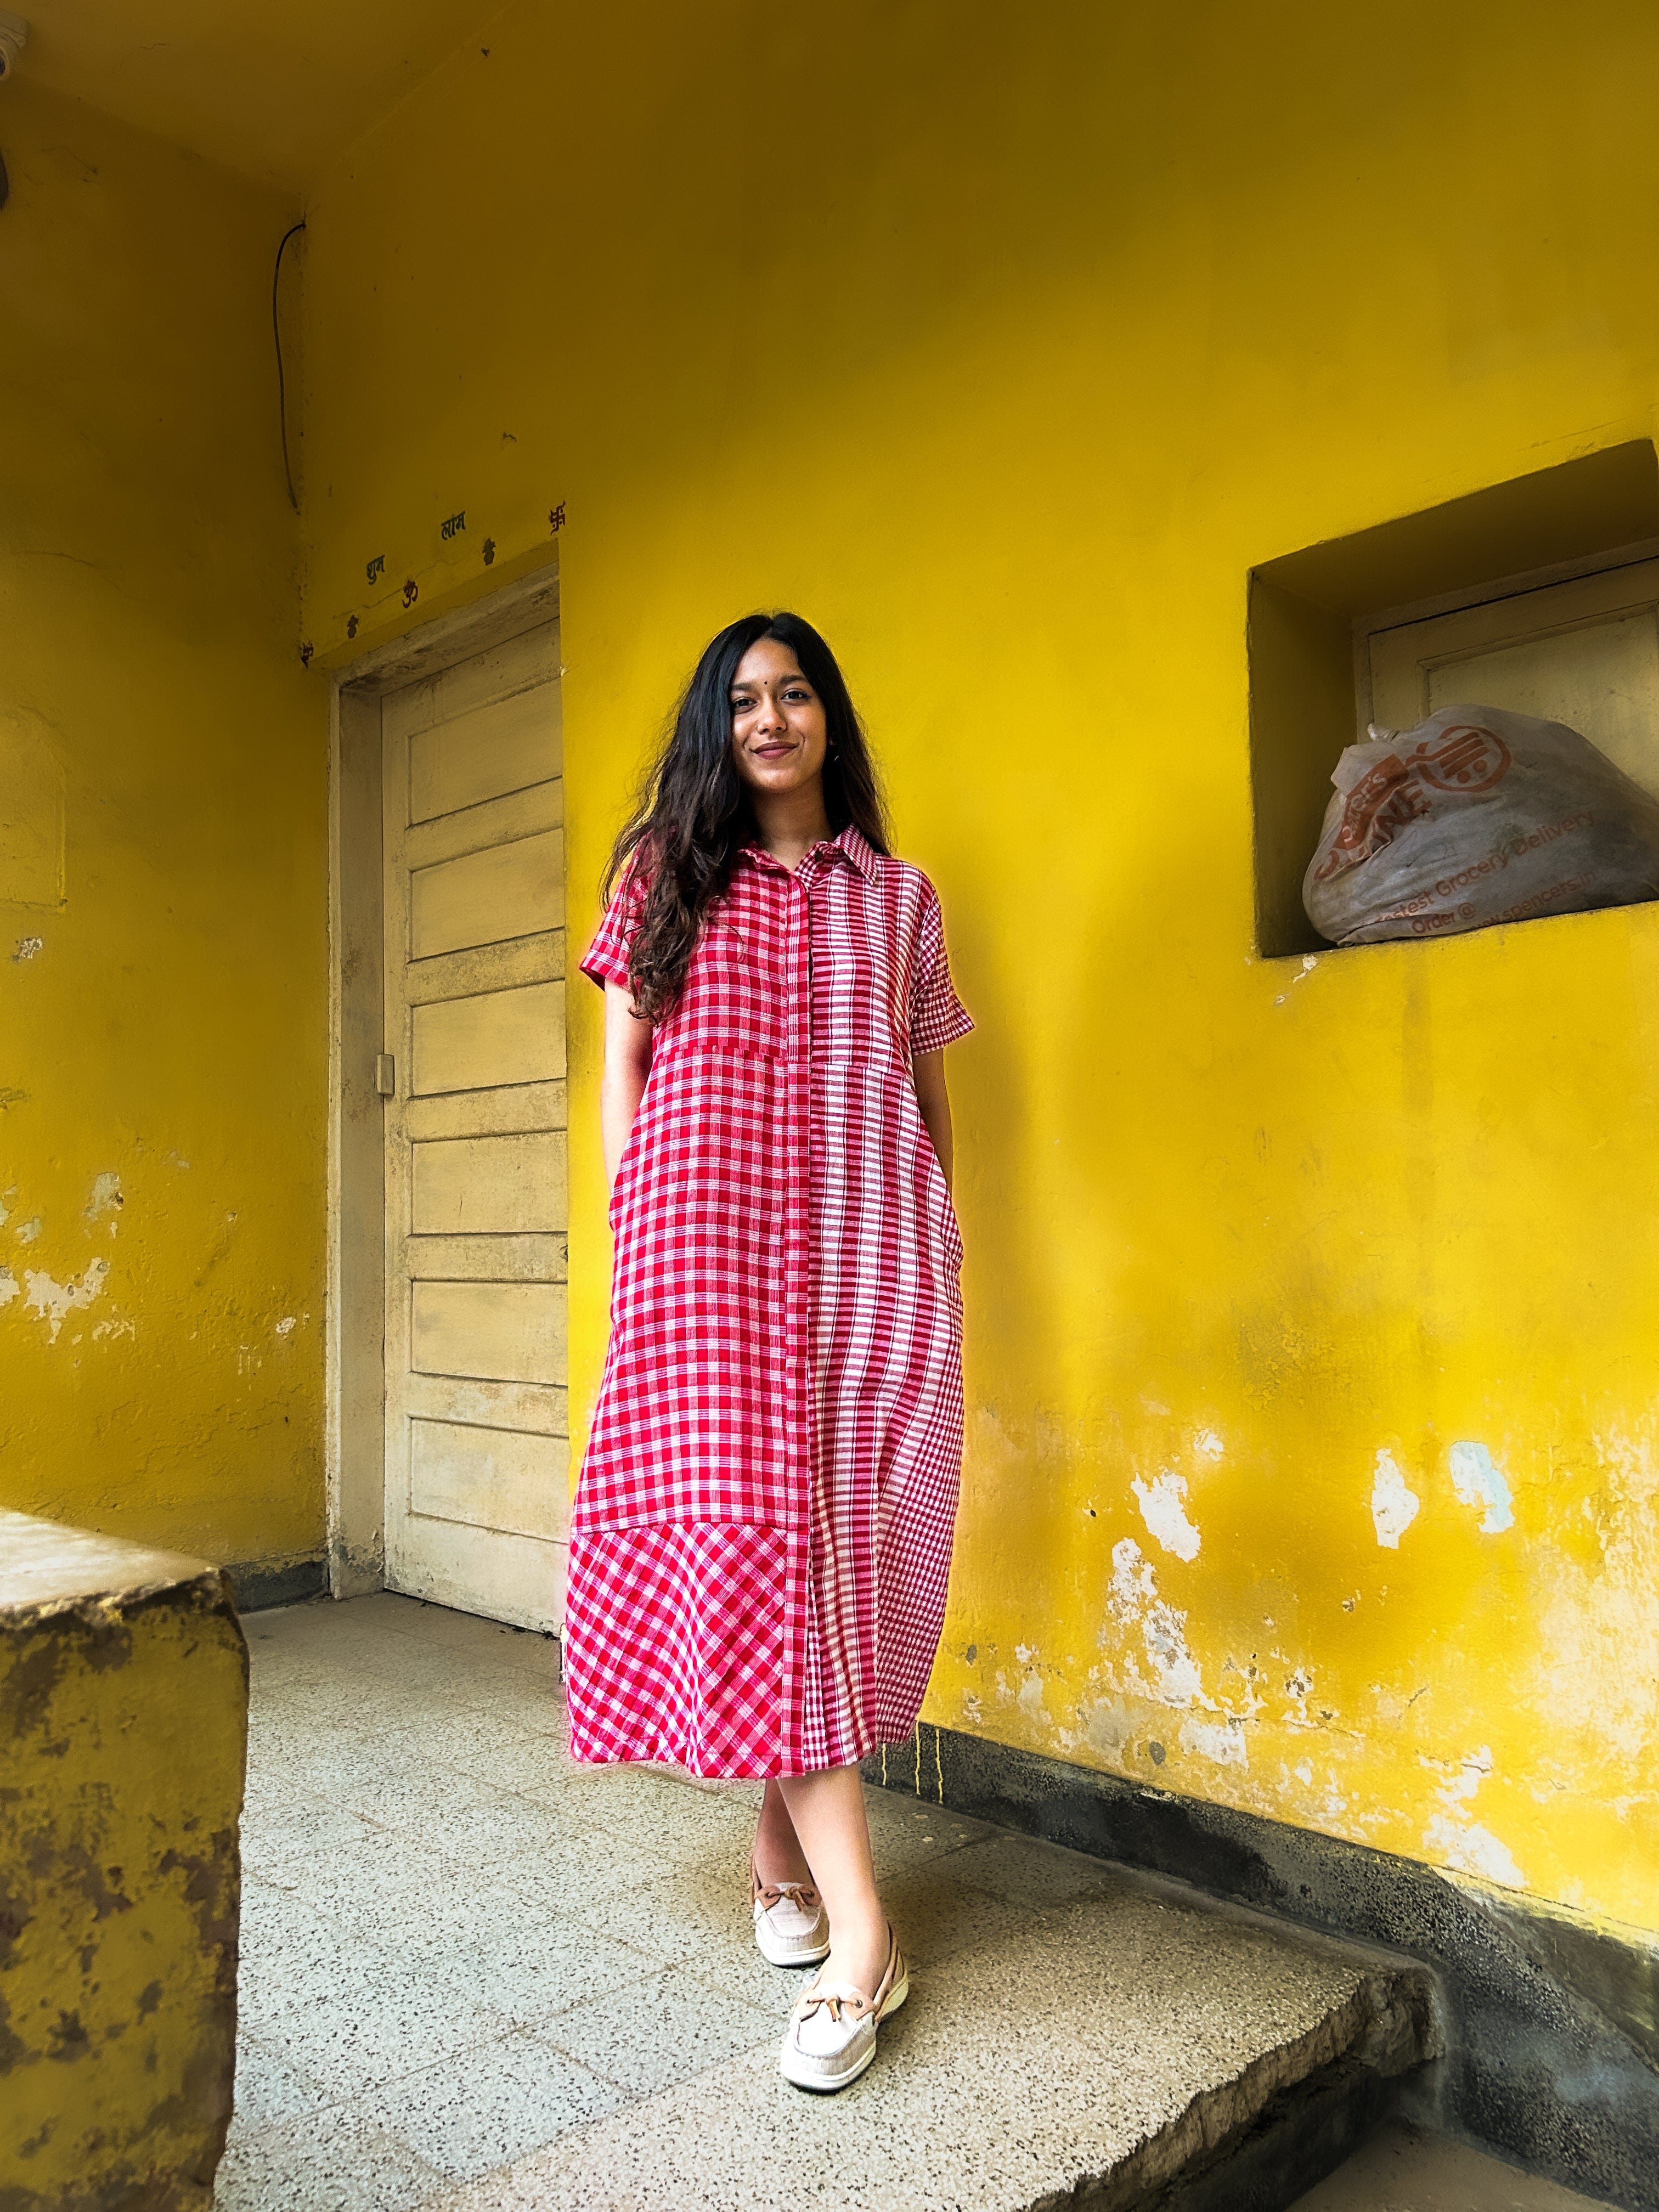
797, 977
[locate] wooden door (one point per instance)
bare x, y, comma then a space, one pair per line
477, 1436
1585, 652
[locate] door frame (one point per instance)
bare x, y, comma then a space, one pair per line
353, 1447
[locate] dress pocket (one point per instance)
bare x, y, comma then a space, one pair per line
940, 1212
626, 1166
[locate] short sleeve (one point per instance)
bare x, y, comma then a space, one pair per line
938, 1017
606, 960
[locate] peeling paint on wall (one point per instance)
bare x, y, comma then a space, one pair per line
1135, 1603
1472, 1849
106, 1197
1108, 1728
1453, 1837
1221, 1742
1478, 1482
54, 1302
1309, 962
1162, 1509
1596, 1677
1394, 1507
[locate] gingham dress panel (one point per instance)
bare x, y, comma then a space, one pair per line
693, 1660
761, 1535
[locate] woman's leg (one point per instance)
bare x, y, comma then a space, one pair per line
827, 1810
778, 1854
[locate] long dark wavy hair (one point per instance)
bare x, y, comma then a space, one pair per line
693, 816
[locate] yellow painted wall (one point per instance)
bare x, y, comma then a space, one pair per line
1003, 344
163, 862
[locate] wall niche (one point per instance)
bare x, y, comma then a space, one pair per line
1540, 594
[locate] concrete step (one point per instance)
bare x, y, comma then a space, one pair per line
1134, 2047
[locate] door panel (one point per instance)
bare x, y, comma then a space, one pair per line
479, 1185
486, 968
532, 1407
501, 1332
497, 1037
478, 1449
486, 1113
468, 756
1585, 652
488, 1477
530, 1259
481, 898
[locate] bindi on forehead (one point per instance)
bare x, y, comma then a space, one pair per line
773, 682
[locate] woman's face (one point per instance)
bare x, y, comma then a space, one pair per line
779, 736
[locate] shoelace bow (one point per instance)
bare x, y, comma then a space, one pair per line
768, 1893
855, 2002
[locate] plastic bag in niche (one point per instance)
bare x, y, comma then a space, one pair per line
1477, 816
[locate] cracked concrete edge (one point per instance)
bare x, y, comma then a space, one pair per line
207, 1592
48, 1568
1380, 2027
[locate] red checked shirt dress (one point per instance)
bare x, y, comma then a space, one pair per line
761, 1536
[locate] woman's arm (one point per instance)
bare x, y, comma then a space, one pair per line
627, 1064
934, 1100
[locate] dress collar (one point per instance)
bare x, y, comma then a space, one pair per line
859, 850
852, 846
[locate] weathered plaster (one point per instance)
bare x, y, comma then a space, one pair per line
123, 1710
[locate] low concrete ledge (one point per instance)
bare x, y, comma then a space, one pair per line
123, 1745
1553, 2058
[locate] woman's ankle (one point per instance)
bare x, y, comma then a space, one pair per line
778, 1865
778, 1857
859, 1948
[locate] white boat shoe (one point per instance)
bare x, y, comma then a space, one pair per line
831, 2036
792, 1928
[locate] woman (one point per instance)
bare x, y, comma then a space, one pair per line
762, 1537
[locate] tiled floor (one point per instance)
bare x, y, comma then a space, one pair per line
474, 1974
457, 1945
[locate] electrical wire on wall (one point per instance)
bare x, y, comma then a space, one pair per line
282, 379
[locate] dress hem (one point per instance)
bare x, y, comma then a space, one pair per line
773, 1771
